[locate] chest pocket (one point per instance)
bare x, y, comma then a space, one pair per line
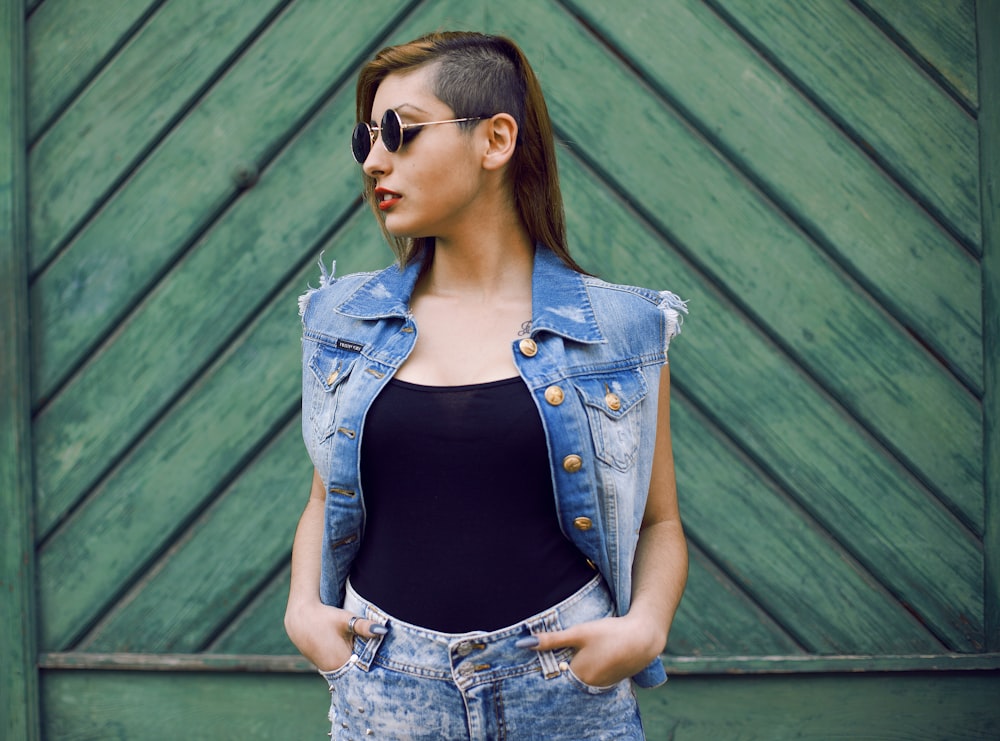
331, 366
612, 402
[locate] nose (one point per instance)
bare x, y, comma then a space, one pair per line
377, 161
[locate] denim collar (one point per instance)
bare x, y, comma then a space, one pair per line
560, 302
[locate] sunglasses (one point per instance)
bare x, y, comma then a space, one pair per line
394, 133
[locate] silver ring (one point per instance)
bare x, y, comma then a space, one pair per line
351, 623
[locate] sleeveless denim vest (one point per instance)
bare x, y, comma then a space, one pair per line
592, 363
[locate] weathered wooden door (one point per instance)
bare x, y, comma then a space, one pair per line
817, 178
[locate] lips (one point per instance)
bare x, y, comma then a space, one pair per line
386, 199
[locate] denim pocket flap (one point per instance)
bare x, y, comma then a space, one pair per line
331, 365
614, 394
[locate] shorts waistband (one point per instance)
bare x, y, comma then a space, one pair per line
476, 655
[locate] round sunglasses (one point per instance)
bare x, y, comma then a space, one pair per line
393, 131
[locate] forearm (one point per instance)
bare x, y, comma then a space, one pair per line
659, 574
306, 551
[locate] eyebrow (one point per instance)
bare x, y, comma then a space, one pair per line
412, 106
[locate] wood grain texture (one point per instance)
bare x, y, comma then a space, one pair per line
68, 43
82, 158
717, 618
874, 510
206, 296
988, 16
943, 33
877, 93
217, 564
917, 707
87, 705
827, 185
854, 488
837, 333
778, 553
19, 718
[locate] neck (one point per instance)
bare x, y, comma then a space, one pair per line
496, 261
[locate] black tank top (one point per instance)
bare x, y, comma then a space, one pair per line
461, 531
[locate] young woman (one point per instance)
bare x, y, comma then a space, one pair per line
492, 546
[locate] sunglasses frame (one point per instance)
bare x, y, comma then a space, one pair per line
393, 142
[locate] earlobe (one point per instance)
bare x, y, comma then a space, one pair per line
502, 141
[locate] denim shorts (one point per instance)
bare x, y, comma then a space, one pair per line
415, 683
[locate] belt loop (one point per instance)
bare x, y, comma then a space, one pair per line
367, 655
547, 659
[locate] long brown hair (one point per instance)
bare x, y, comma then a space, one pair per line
482, 75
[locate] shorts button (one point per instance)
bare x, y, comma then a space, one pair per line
527, 347
554, 395
572, 463
583, 523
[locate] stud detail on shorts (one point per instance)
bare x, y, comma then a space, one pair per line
554, 395
583, 523
527, 347
572, 463
563, 666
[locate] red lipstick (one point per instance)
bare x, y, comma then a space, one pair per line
386, 199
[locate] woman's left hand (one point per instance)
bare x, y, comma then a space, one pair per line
606, 650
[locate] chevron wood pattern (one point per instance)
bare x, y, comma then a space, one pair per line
806, 174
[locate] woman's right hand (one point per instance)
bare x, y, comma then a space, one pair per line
322, 635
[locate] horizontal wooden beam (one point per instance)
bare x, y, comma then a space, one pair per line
674, 664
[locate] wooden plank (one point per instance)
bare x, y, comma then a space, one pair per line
879, 95
803, 440
82, 705
216, 565
136, 512
988, 20
717, 618
868, 362
182, 322
823, 181
209, 435
18, 673
88, 705
133, 103
260, 627
189, 178
780, 555
67, 43
831, 664
942, 32
836, 471
680, 665
918, 707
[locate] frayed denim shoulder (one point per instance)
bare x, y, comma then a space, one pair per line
672, 307
325, 279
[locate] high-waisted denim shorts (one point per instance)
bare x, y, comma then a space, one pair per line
415, 683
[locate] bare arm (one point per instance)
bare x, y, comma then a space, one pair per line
317, 630
614, 648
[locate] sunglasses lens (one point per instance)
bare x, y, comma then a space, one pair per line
392, 131
361, 142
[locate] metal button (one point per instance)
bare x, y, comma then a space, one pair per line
613, 402
554, 395
583, 523
572, 463
467, 647
527, 347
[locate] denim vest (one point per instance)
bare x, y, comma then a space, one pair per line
592, 363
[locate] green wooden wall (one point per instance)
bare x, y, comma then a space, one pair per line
818, 178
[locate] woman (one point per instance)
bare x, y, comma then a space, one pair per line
517, 553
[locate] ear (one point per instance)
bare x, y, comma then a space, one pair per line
501, 142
